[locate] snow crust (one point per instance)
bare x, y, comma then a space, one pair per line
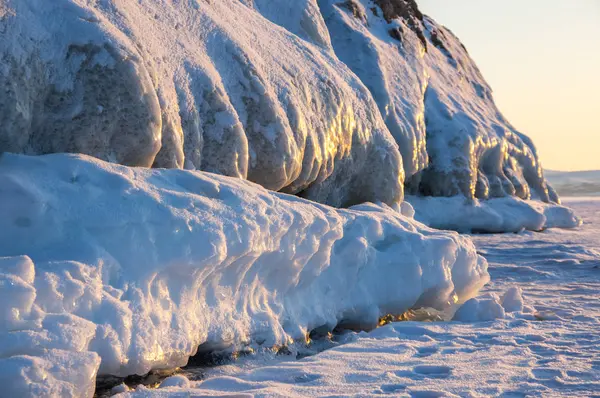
198, 85
508, 214
139, 267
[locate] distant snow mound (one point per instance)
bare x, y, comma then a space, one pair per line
139, 267
197, 85
435, 102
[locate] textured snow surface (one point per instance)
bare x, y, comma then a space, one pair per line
141, 266
547, 342
193, 84
509, 214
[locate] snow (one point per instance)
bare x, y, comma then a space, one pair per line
480, 309
110, 270
198, 85
508, 214
140, 267
546, 344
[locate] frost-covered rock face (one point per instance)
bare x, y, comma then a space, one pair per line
435, 102
139, 267
194, 84
304, 97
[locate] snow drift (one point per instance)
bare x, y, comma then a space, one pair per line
192, 84
496, 215
118, 270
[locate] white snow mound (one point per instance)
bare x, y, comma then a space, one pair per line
509, 214
142, 266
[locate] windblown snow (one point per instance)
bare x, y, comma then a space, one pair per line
305, 97
118, 270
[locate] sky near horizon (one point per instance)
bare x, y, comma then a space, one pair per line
542, 60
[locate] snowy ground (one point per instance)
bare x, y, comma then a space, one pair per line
552, 349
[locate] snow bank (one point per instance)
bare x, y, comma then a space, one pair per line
496, 215
142, 266
195, 84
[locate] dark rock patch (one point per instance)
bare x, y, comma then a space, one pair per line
406, 9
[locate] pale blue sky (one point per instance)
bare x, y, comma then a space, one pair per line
542, 59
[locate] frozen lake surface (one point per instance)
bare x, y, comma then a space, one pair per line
552, 349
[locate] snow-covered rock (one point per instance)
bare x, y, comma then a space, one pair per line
436, 103
142, 266
195, 84
480, 309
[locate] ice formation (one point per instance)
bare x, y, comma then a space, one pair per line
435, 102
139, 267
194, 84
305, 97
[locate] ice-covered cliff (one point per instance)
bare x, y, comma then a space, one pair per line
435, 102
194, 84
305, 97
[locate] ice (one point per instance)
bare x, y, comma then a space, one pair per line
201, 85
304, 97
141, 267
